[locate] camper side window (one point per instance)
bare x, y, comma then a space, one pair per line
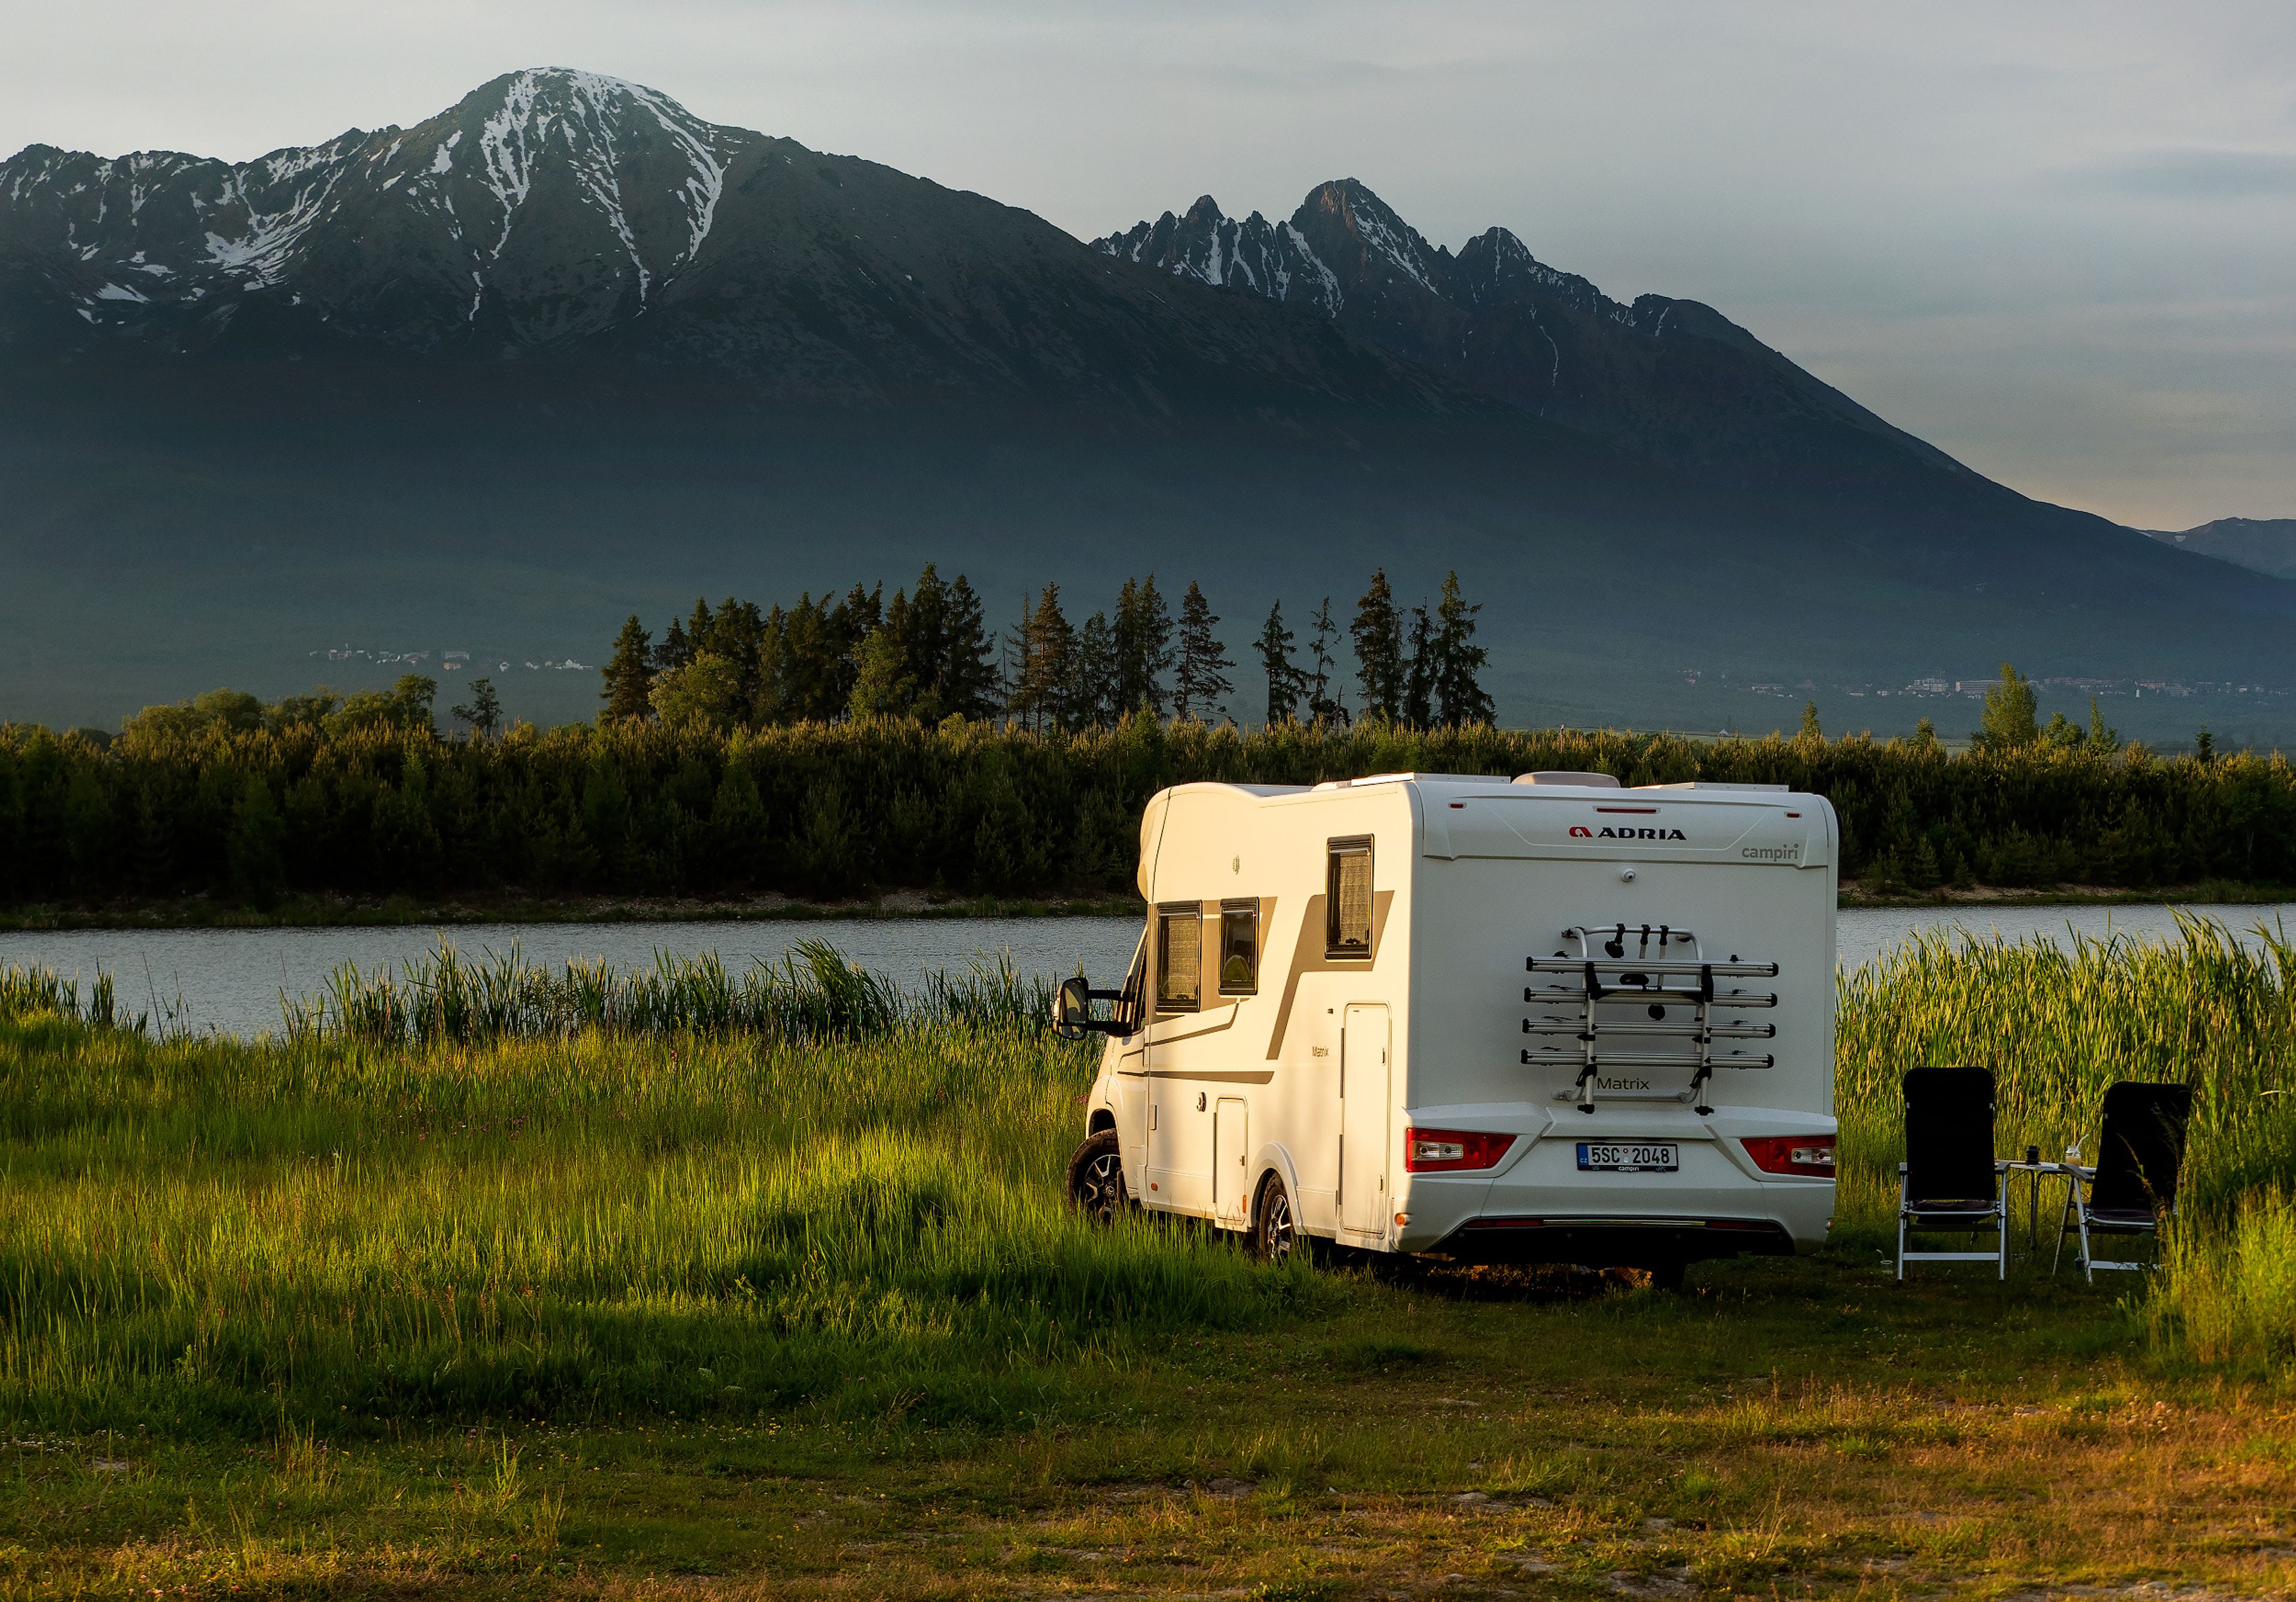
1239, 969
1179, 959
1347, 899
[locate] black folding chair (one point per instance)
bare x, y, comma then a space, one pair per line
1949, 1179
2134, 1185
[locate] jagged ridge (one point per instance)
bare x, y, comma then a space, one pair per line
1667, 379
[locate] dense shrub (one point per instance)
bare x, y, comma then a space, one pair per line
833, 809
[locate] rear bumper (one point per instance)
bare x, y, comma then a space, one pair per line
1611, 1241
1539, 1207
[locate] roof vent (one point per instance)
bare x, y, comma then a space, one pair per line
1585, 781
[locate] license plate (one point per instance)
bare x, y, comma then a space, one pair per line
1629, 1157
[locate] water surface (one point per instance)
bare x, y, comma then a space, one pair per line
231, 979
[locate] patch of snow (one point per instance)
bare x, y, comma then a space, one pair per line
114, 291
444, 159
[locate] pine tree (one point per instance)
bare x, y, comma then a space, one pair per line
2009, 719
1378, 634
1459, 661
629, 674
1203, 680
1324, 705
1285, 682
1419, 672
1809, 728
2102, 740
484, 712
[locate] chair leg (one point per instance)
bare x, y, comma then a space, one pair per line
1901, 1228
2064, 1221
2001, 1222
2088, 1260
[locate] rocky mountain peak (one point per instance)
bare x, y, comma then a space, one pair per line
565, 199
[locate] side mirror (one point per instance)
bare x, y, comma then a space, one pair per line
1072, 1009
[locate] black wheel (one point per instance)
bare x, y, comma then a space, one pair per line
1276, 1231
1096, 1179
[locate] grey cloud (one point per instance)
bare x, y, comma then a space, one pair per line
2193, 175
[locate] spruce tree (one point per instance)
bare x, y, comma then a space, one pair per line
1459, 661
1419, 672
1092, 700
1285, 682
629, 674
1378, 634
1202, 679
1325, 703
967, 673
1044, 672
1144, 647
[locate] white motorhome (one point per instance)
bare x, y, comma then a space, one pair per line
1545, 1019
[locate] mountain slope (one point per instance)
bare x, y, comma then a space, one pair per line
1668, 381
561, 215
2265, 544
565, 351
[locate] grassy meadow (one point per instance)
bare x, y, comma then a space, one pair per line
477, 1279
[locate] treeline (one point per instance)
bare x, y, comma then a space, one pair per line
648, 807
929, 654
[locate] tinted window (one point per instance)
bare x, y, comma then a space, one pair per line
1238, 965
1347, 899
1179, 960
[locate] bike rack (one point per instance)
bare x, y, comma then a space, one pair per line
1615, 978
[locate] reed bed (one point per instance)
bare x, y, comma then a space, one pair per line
813, 994
2059, 1024
476, 1190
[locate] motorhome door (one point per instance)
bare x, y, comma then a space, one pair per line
1363, 1119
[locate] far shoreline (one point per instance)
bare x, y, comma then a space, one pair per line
338, 912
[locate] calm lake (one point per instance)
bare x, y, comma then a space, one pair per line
231, 979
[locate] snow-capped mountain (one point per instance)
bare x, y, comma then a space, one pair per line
1664, 379
567, 199
573, 218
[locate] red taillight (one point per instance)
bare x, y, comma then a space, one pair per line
1447, 1151
1810, 1154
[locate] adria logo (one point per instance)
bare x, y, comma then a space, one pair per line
1579, 831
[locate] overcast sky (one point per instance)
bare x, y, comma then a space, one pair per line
2058, 240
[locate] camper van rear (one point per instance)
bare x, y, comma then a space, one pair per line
1542, 1021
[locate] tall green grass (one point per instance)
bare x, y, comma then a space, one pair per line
478, 1191
2057, 1025
395, 1220
814, 993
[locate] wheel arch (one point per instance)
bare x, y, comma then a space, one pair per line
1101, 1122
1273, 1161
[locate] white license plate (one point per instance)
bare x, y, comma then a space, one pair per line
1629, 1157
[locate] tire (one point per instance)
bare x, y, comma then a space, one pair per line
1096, 1179
1276, 1231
